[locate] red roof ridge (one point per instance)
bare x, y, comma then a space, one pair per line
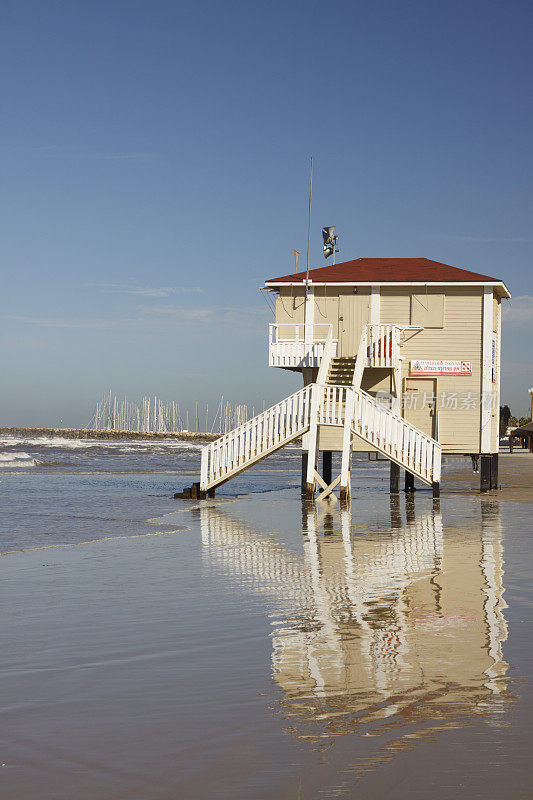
388, 270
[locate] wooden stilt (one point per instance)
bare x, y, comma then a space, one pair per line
312, 439
394, 478
345, 493
494, 471
485, 473
347, 448
436, 488
409, 482
327, 462
303, 483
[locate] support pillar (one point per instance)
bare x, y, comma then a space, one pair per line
485, 473
394, 478
327, 460
436, 488
346, 460
312, 441
494, 471
344, 495
305, 459
409, 482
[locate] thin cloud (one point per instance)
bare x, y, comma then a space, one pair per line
488, 239
86, 324
159, 318
145, 291
227, 314
80, 154
518, 311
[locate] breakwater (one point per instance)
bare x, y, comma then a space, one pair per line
86, 433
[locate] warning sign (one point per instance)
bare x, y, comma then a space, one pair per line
427, 367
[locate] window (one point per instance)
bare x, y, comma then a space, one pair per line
427, 310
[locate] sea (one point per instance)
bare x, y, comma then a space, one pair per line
256, 645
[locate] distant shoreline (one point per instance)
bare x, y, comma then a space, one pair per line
85, 433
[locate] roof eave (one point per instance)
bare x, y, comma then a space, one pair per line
497, 284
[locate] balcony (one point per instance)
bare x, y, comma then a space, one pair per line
382, 345
296, 346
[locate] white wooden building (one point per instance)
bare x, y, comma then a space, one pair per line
400, 357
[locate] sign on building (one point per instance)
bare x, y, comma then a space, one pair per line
427, 367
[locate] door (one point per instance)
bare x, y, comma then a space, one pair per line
354, 312
419, 398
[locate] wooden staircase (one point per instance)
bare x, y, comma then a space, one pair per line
341, 371
335, 405
336, 400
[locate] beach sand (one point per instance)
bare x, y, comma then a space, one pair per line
264, 648
515, 478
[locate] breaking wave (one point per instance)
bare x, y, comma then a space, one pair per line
120, 445
16, 460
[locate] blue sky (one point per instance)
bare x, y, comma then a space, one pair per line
154, 161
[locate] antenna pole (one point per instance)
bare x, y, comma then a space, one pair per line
309, 229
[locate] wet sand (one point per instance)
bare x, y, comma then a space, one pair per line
515, 478
265, 648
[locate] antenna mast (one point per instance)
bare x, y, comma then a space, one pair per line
309, 229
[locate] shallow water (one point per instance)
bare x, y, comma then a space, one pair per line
258, 647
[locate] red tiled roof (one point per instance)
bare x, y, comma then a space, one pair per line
388, 270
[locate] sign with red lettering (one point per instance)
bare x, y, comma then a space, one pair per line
421, 366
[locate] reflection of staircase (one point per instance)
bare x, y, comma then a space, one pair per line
333, 405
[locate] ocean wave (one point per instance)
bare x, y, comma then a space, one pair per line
17, 459
117, 445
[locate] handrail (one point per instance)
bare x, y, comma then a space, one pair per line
300, 329
360, 361
254, 439
329, 351
319, 404
397, 438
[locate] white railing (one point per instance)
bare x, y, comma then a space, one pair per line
298, 345
333, 403
383, 345
255, 439
396, 438
329, 352
376, 424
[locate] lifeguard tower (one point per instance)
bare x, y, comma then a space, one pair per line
399, 357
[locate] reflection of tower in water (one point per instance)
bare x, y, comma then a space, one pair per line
402, 619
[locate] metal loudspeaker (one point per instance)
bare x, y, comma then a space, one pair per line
330, 241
